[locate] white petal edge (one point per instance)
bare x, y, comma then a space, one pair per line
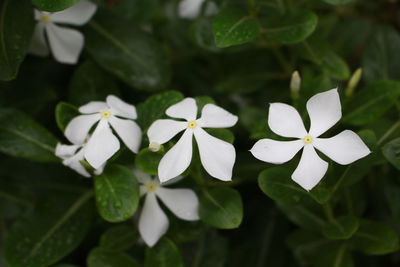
65, 44
177, 159
343, 148
213, 116
182, 202
75, 164
190, 9
63, 151
161, 131
101, 146
93, 107
78, 128
216, 155
276, 152
284, 120
153, 223
142, 177
77, 14
38, 45
121, 108
310, 170
185, 109
324, 110
128, 131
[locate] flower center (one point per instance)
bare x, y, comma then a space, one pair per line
151, 187
44, 18
192, 124
308, 139
105, 114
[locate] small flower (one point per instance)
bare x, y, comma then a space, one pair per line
217, 156
153, 223
65, 44
191, 9
103, 143
325, 111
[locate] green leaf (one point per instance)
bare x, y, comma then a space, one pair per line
164, 254
292, 27
222, 133
100, 257
374, 238
22, 137
335, 66
341, 228
233, 27
127, 52
65, 112
91, 83
221, 207
16, 28
303, 216
54, 5
147, 161
391, 151
119, 238
155, 106
202, 34
117, 193
55, 229
372, 102
338, 2
334, 256
137, 10
277, 184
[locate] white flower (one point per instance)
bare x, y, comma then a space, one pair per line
153, 223
325, 111
65, 44
217, 156
103, 143
190, 9
72, 156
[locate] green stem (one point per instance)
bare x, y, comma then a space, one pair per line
389, 132
339, 182
329, 213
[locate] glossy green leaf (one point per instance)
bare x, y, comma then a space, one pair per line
341, 228
22, 137
163, 254
117, 193
119, 238
16, 28
233, 27
391, 151
221, 207
100, 257
129, 53
64, 114
147, 161
54, 5
292, 27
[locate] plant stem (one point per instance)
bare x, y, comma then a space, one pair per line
389, 132
329, 213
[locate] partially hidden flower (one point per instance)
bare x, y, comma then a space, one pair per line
153, 223
217, 156
324, 110
103, 144
65, 43
191, 9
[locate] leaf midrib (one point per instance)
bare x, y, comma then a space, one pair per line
234, 26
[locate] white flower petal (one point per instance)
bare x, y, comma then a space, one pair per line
75, 164
185, 109
143, 190
65, 44
153, 223
78, 14
101, 146
121, 108
161, 131
128, 131
343, 148
182, 202
217, 156
213, 116
78, 128
276, 152
142, 177
284, 120
310, 170
63, 151
100, 169
177, 159
38, 45
190, 8
324, 110
93, 107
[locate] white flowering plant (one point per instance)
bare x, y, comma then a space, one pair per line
204, 133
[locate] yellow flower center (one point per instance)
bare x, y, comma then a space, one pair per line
151, 187
105, 114
192, 124
308, 139
44, 18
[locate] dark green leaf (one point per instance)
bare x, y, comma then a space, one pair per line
303, 216
64, 114
334, 256
100, 257
338, 2
341, 228
335, 66
222, 133
164, 254
391, 151
54, 5
119, 238
147, 161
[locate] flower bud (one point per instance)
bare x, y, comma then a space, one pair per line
295, 84
353, 82
154, 147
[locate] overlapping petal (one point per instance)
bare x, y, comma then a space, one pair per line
74, 162
182, 202
78, 128
63, 151
78, 14
213, 116
38, 45
161, 131
93, 107
121, 108
343, 148
284, 120
217, 156
128, 131
276, 152
185, 109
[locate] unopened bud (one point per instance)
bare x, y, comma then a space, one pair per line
154, 147
295, 84
353, 82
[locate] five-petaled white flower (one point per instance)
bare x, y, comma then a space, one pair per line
103, 144
65, 44
153, 223
217, 156
190, 9
324, 110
